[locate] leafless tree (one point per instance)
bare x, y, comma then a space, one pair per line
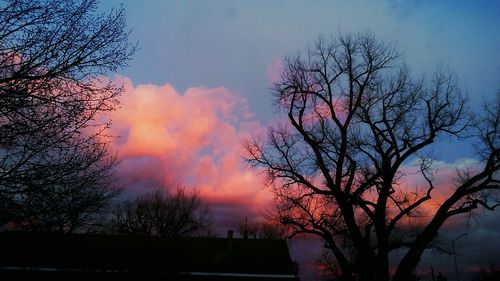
54, 164
268, 229
163, 214
272, 230
249, 229
326, 267
355, 118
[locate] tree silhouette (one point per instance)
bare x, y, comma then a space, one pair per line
355, 119
267, 229
163, 214
54, 165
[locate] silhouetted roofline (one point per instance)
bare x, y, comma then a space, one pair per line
192, 257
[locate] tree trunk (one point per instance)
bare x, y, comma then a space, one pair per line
410, 260
407, 266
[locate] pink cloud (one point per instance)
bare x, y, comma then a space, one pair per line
192, 139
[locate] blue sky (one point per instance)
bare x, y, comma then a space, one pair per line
230, 43
233, 45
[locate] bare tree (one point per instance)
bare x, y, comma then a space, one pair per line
272, 230
163, 214
268, 229
356, 118
54, 164
249, 230
327, 268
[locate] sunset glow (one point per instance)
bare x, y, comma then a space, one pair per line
202, 82
292, 140
168, 139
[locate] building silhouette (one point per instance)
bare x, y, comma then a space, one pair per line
119, 257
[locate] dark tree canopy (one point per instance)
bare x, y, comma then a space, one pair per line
54, 166
161, 213
355, 118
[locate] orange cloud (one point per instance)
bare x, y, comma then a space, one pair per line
192, 139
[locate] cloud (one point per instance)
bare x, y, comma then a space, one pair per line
192, 139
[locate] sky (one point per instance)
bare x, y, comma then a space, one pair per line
200, 83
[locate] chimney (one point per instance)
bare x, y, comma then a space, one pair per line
229, 240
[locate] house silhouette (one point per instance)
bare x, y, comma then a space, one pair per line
119, 257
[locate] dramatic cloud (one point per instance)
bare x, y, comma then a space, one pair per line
192, 139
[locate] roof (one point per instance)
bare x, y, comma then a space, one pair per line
184, 258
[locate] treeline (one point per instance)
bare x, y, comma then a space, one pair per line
160, 213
